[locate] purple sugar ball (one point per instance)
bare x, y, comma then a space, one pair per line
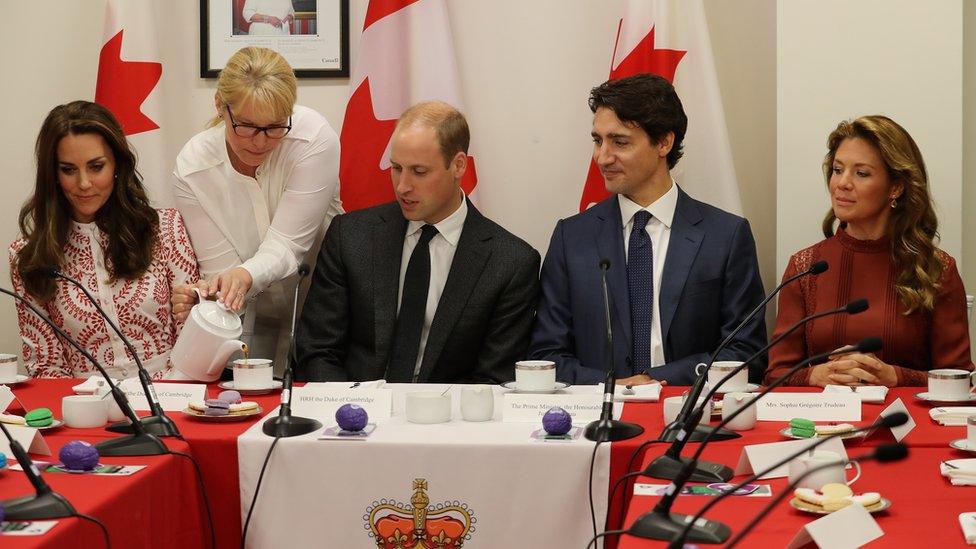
351, 417
78, 455
557, 421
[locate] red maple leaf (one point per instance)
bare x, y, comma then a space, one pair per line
378, 9
363, 141
123, 86
644, 58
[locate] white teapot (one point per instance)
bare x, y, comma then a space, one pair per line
209, 337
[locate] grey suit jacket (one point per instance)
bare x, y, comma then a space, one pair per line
483, 320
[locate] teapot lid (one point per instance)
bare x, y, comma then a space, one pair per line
217, 314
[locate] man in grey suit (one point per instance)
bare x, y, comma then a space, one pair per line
424, 289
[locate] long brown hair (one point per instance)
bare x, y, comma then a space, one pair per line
913, 227
45, 219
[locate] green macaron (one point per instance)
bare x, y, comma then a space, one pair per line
803, 428
41, 417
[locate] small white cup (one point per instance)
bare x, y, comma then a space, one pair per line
252, 373
84, 411
535, 375
114, 412
971, 431
720, 369
8, 368
731, 402
477, 403
833, 474
428, 407
672, 405
949, 383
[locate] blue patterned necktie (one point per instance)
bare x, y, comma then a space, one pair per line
640, 286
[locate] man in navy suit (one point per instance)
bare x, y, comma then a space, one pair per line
681, 274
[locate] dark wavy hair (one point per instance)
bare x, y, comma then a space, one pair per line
128, 219
913, 228
649, 101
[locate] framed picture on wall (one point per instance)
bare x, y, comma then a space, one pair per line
313, 35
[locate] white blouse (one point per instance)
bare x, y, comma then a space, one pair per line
266, 223
140, 308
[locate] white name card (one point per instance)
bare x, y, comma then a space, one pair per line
812, 406
901, 431
28, 437
758, 457
173, 397
321, 403
524, 408
847, 528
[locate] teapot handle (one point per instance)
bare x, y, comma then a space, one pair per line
199, 295
200, 299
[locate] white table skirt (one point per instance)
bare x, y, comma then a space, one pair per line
518, 492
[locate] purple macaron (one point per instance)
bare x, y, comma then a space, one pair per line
217, 407
230, 396
557, 421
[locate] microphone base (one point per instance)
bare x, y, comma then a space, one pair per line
669, 434
662, 526
289, 426
134, 445
611, 430
37, 507
666, 467
161, 426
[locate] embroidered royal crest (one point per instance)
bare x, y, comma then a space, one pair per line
418, 524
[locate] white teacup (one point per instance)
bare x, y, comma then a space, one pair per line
720, 369
8, 368
84, 411
535, 375
477, 403
835, 473
949, 383
672, 405
252, 373
114, 412
428, 407
732, 402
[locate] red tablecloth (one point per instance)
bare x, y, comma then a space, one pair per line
160, 506
925, 507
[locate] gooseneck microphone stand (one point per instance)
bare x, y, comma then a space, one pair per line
606, 428
157, 422
284, 424
140, 443
45, 503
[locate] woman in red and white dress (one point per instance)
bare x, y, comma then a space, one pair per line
90, 218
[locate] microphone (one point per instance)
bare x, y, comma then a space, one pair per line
661, 524
669, 465
157, 422
606, 428
885, 453
285, 425
140, 443
670, 432
45, 503
892, 420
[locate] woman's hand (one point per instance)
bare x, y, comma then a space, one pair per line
183, 298
854, 369
231, 287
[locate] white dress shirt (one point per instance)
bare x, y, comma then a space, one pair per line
659, 230
442, 247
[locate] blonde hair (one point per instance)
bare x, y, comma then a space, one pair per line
259, 77
913, 228
450, 126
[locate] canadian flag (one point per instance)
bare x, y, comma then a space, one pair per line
670, 38
406, 55
127, 77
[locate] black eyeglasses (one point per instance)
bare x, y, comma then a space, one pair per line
247, 130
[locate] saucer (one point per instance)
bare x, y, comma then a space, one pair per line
963, 444
940, 400
20, 379
788, 433
797, 503
221, 419
54, 425
957, 414
750, 388
558, 387
229, 385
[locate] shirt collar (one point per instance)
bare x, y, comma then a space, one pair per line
662, 209
449, 227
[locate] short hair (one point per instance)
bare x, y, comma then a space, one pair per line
260, 77
648, 101
450, 126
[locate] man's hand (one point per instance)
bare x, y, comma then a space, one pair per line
639, 379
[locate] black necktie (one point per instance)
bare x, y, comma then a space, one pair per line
640, 286
413, 306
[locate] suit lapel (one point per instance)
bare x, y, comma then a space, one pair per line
610, 243
469, 261
686, 237
388, 236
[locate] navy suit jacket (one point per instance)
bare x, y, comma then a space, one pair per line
710, 283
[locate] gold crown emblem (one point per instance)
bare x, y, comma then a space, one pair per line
418, 524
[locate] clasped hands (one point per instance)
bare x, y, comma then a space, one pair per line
230, 288
854, 369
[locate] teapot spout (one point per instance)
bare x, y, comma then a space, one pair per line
223, 353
